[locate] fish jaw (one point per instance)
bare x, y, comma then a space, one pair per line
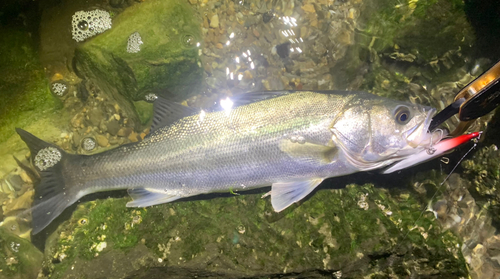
430, 153
419, 135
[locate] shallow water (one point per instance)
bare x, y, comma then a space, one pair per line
86, 84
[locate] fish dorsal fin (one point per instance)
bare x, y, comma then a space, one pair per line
284, 194
248, 98
166, 112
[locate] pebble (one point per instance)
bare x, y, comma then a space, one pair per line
95, 116
214, 21
309, 8
113, 141
133, 137
76, 121
76, 138
102, 140
124, 132
20, 203
113, 126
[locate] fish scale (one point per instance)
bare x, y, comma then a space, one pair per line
222, 151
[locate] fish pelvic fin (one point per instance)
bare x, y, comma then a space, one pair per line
143, 197
284, 194
51, 194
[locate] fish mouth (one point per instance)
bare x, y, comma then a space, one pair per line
419, 135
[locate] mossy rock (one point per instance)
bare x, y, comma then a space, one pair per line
18, 257
167, 60
483, 170
403, 42
24, 91
25, 98
357, 231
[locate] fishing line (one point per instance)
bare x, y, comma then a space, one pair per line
476, 140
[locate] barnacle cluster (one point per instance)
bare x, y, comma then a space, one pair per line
88, 24
47, 157
89, 143
134, 43
59, 88
151, 97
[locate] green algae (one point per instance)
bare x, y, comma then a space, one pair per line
167, 59
333, 230
484, 173
144, 111
18, 257
24, 89
405, 43
418, 25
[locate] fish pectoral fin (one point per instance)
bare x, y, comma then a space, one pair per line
284, 194
322, 154
143, 197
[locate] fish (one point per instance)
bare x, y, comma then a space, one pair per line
289, 140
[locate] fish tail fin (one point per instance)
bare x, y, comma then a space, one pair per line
51, 194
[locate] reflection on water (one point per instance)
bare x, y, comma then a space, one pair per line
83, 75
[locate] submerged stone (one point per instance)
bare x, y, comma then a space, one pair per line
19, 258
145, 52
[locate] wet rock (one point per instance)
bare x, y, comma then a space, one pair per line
20, 259
95, 116
252, 236
267, 17
21, 203
117, 3
114, 141
124, 132
113, 126
283, 50
102, 140
170, 64
15, 181
214, 21
133, 137
76, 138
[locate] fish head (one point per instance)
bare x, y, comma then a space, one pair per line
373, 133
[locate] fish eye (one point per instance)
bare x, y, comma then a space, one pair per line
402, 115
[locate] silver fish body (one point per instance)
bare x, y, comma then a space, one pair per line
291, 141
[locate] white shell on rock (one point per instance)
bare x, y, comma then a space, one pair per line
134, 43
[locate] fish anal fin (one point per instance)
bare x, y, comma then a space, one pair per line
322, 154
284, 194
143, 197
